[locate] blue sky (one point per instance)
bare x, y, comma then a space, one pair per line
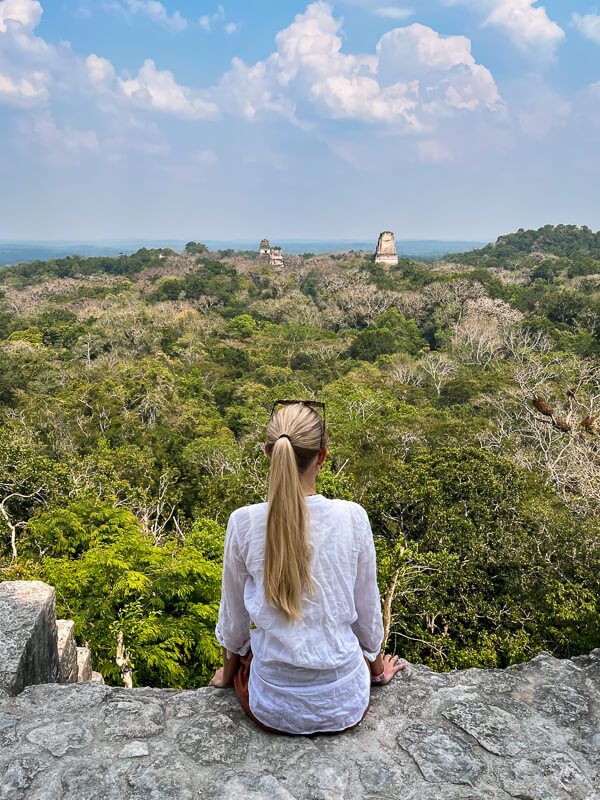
453, 119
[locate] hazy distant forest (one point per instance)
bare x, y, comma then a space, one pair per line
463, 409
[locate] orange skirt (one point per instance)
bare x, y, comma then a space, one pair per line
240, 684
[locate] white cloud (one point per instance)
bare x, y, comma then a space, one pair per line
207, 21
26, 13
250, 90
127, 135
447, 74
210, 21
30, 68
151, 89
588, 25
158, 13
24, 91
363, 98
416, 82
26, 61
157, 90
415, 78
528, 25
100, 70
44, 139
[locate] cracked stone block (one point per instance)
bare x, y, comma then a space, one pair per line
442, 757
563, 702
494, 728
163, 778
28, 635
318, 776
60, 737
8, 725
97, 677
134, 749
214, 739
67, 651
59, 699
546, 776
132, 718
381, 777
84, 664
251, 786
17, 773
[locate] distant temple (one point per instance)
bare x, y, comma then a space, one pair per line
276, 259
386, 250
275, 254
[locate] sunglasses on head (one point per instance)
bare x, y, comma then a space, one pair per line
316, 405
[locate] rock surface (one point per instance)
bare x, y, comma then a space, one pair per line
530, 732
28, 635
84, 664
67, 651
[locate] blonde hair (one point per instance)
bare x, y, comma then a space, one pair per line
295, 435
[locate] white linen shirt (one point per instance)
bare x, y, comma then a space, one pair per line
309, 675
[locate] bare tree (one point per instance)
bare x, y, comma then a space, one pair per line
550, 422
438, 367
124, 663
13, 526
405, 369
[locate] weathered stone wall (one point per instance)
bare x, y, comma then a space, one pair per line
28, 635
530, 732
35, 647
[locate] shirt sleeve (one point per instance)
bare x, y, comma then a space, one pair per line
368, 628
233, 625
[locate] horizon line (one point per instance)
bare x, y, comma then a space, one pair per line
354, 240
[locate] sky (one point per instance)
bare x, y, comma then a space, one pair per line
190, 119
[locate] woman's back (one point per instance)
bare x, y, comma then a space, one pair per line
308, 674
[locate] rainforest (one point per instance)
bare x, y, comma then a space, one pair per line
462, 401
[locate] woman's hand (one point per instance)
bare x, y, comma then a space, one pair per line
218, 680
390, 668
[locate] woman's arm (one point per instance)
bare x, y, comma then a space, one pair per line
369, 625
233, 626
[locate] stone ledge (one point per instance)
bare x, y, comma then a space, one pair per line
28, 635
35, 647
530, 732
67, 651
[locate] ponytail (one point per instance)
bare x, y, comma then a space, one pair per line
294, 439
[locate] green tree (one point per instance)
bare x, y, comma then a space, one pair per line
109, 577
196, 248
390, 333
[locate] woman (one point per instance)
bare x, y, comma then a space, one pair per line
301, 568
